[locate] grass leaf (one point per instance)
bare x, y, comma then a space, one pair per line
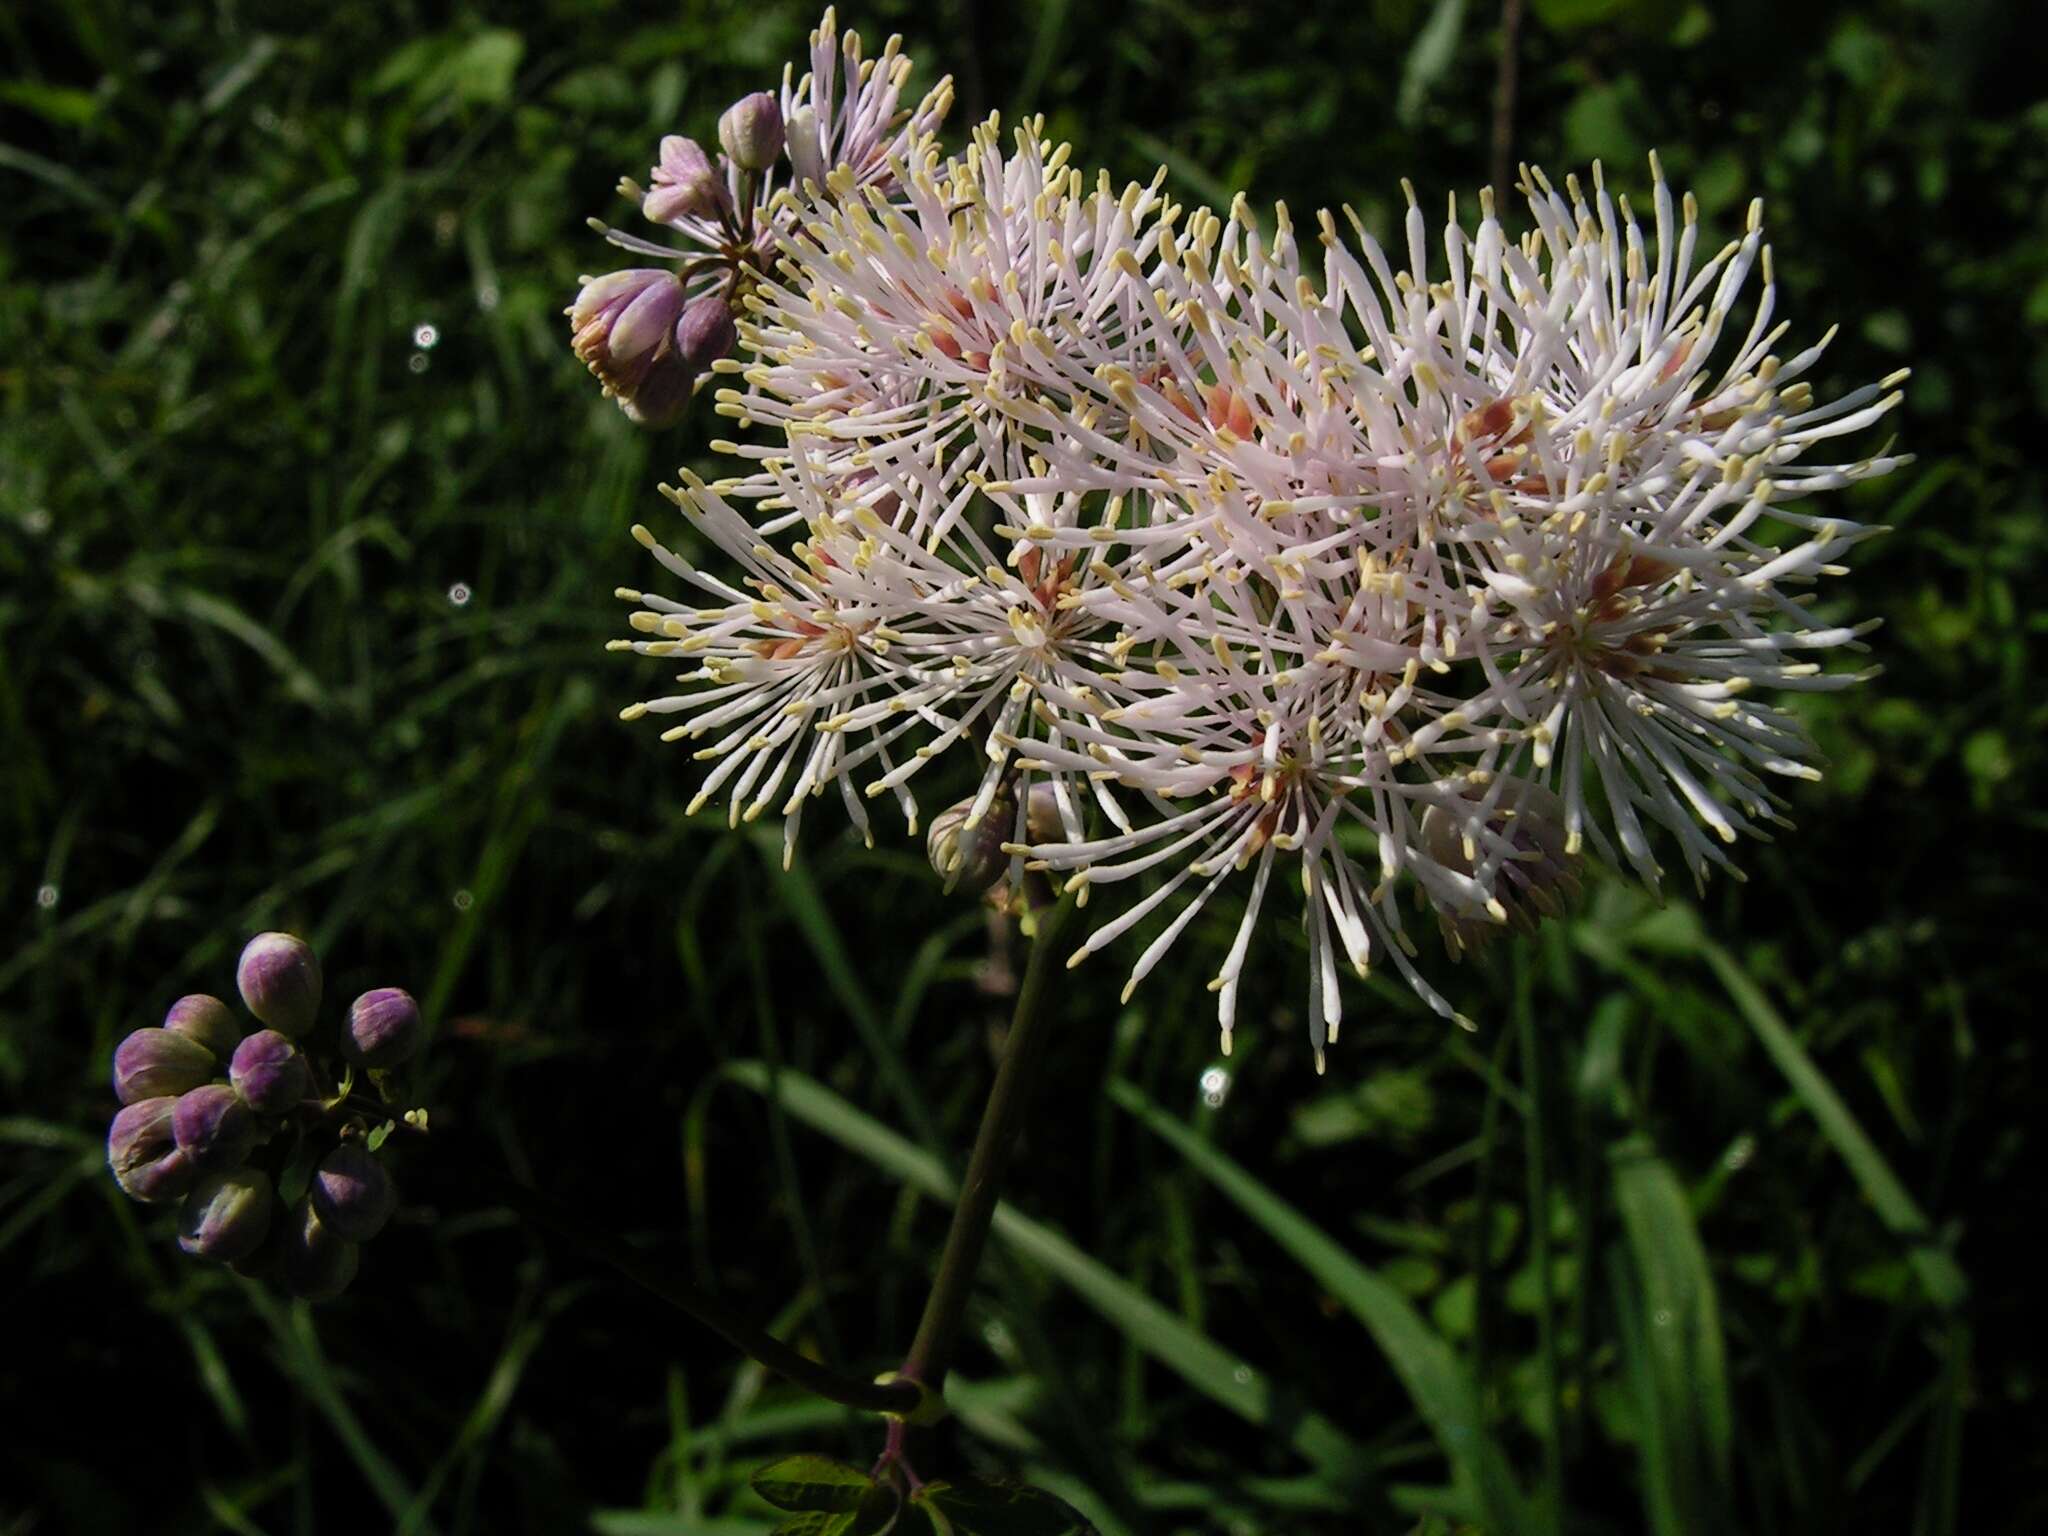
1193, 1356
1442, 1391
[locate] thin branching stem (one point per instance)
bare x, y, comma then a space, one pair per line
606, 1248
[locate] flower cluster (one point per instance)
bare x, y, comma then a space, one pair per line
1228, 552
651, 334
273, 1169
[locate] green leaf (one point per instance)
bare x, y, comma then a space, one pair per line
1938, 1271
1190, 1354
1429, 57
1442, 1392
974, 1508
815, 1523
65, 106
482, 70
1683, 1367
808, 1482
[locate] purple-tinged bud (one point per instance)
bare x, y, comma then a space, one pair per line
269, 1073
705, 333
352, 1193
213, 1127
143, 1153
206, 1020
262, 1259
663, 395
279, 978
1042, 821
623, 324
226, 1215
805, 146
751, 131
686, 184
383, 1027
973, 855
316, 1261
153, 1062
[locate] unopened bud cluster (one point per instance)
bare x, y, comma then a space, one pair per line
651, 334
244, 1130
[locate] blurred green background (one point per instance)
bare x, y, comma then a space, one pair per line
308, 528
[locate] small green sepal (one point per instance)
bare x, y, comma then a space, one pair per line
931, 1406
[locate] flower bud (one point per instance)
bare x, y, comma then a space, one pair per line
153, 1062
226, 1215
705, 333
383, 1027
206, 1020
1520, 847
806, 146
751, 131
279, 978
143, 1153
316, 1262
352, 1193
686, 184
974, 855
663, 395
213, 1127
622, 325
269, 1073
1042, 823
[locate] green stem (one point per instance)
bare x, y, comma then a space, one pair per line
1539, 1245
606, 1248
931, 1351
1482, 1221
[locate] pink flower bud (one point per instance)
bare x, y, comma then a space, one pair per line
143, 1153
279, 978
751, 131
663, 395
383, 1027
623, 325
213, 1127
686, 184
206, 1020
153, 1062
227, 1214
269, 1073
705, 333
973, 856
352, 1193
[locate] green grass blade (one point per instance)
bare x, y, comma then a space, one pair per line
1684, 1374
1193, 1356
304, 1360
1938, 1271
800, 897
1438, 1385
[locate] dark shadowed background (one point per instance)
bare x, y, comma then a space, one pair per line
308, 528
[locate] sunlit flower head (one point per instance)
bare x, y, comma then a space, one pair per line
1228, 552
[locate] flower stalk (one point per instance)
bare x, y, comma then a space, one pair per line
931, 1350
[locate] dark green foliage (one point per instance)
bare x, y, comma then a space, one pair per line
308, 526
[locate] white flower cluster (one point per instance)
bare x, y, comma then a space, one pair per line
1261, 558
